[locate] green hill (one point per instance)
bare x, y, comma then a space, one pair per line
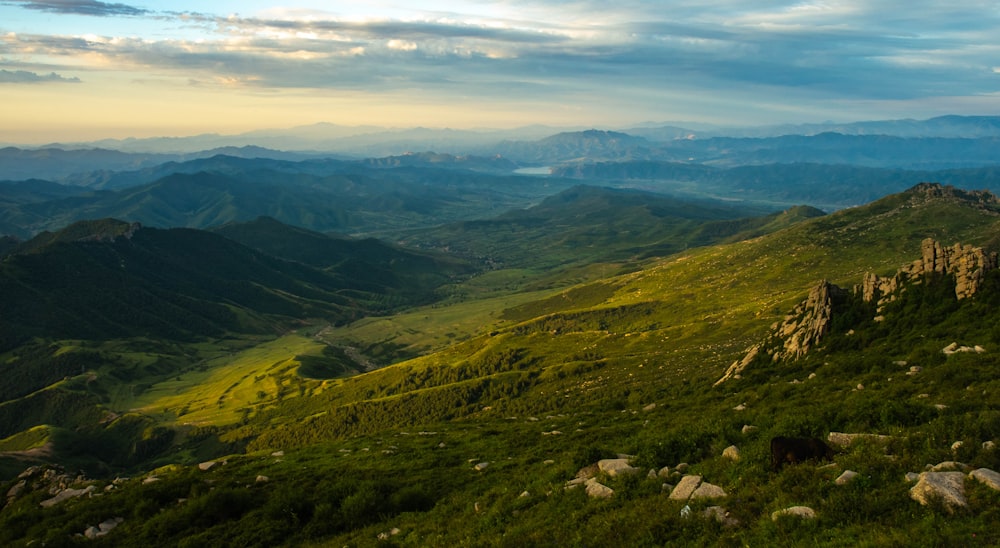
474, 443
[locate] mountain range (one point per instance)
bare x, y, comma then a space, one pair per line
437, 349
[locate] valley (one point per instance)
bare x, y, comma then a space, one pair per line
427, 350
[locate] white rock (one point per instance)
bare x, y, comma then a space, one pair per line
598, 490
732, 453
956, 446
845, 477
803, 512
708, 491
616, 467
987, 477
207, 465
948, 487
481, 466
748, 428
685, 488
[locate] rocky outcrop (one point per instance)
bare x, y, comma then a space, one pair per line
810, 320
967, 264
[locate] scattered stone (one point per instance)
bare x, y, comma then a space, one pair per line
732, 453
987, 477
956, 446
385, 535
812, 376
481, 466
263, 479
663, 473
708, 491
150, 479
649, 407
278, 454
207, 465
803, 512
740, 407
16, 489
524, 494
940, 406
912, 477
947, 487
748, 429
989, 445
616, 467
442, 445
598, 490
682, 467
685, 488
549, 461
845, 477
651, 474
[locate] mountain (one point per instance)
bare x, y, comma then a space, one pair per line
542, 403
351, 199
949, 126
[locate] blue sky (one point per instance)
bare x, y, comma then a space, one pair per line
86, 69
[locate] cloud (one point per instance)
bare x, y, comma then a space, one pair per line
81, 7
27, 77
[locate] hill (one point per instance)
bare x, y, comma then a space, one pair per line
476, 442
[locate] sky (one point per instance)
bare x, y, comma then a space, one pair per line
73, 70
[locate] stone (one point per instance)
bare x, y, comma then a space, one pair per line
987, 477
263, 479
948, 465
685, 488
207, 465
845, 477
617, 467
66, 494
708, 491
989, 445
598, 490
481, 466
956, 446
649, 407
803, 512
732, 453
16, 489
946, 487
843, 440
748, 429
663, 473
912, 477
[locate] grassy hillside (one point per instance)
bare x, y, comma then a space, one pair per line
473, 442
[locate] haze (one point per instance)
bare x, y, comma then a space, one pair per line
84, 69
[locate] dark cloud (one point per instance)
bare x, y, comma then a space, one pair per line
81, 7
27, 77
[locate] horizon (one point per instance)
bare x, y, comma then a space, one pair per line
86, 70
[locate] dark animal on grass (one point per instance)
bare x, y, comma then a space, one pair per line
795, 450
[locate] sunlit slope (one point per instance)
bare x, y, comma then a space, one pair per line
635, 337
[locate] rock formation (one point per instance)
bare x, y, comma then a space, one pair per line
811, 320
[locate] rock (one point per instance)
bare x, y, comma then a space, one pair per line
66, 494
92, 532
912, 477
663, 473
682, 467
588, 472
685, 488
481, 466
278, 454
263, 479
740, 407
16, 489
207, 465
845, 477
956, 446
803, 512
649, 407
748, 429
987, 477
842, 440
524, 494
948, 465
732, 453
946, 487
708, 491
598, 490
989, 445
721, 515
651, 474
616, 467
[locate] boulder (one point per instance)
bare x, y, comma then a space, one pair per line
708, 491
732, 453
803, 512
616, 467
948, 465
685, 488
946, 487
987, 477
66, 494
663, 473
845, 477
598, 490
